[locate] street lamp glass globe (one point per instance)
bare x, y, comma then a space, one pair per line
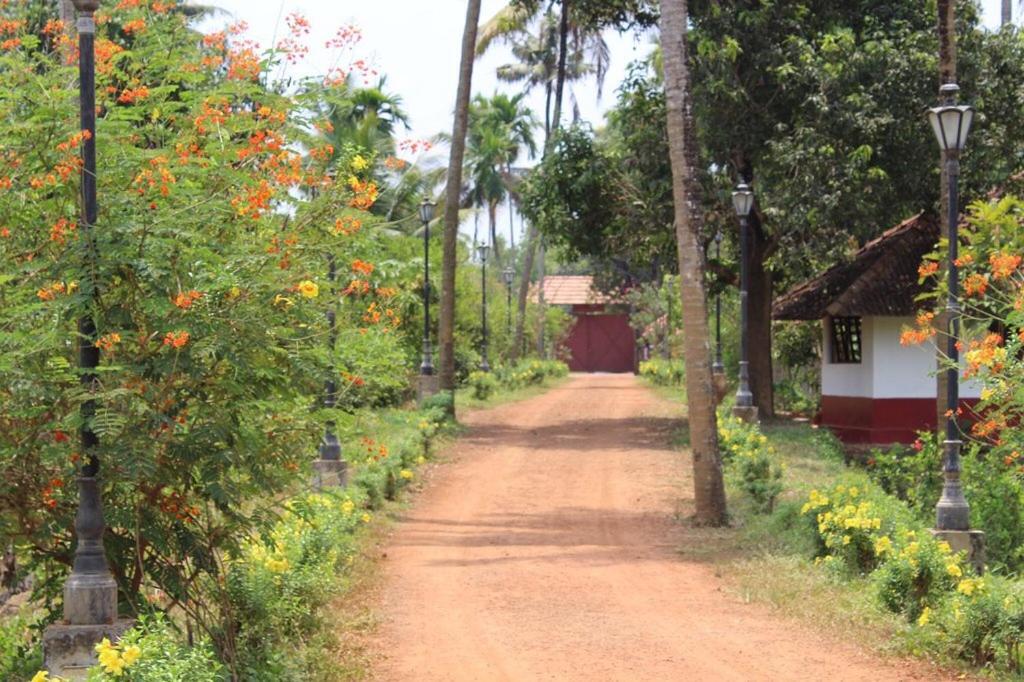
951, 125
743, 200
482, 250
510, 276
427, 210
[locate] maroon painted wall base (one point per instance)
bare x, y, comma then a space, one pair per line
882, 421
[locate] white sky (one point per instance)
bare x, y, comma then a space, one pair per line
417, 43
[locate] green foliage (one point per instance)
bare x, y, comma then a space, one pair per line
484, 384
529, 373
917, 571
914, 475
664, 372
282, 583
850, 523
21, 652
153, 652
993, 487
751, 462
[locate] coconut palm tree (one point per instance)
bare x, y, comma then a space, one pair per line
500, 129
709, 489
446, 332
367, 118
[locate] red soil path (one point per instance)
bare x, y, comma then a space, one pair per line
547, 549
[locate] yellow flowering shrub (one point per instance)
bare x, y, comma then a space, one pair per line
751, 462
916, 572
851, 525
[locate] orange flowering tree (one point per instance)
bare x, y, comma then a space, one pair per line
206, 274
992, 349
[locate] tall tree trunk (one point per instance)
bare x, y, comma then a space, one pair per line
524, 291
947, 74
760, 293
551, 128
511, 212
709, 488
541, 308
446, 331
492, 215
1007, 17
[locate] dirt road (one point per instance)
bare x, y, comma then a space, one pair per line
548, 550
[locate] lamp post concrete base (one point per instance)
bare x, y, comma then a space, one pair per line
970, 542
329, 473
70, 650
746, 414
427, 387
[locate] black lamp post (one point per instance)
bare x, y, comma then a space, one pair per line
718, 367
426, 215
90, 593
952, 123
483, 249
510, 276
743, 202
330, 446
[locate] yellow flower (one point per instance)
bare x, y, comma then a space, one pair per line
131, 654
309, 289
365, 518
925, 617
41, 676
111, 661
883, 545
853, 491
968, 586
405, 474
359, 163
421, 459
277, 565
347, 507
282, 301
954, 570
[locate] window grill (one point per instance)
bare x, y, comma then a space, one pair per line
846, 340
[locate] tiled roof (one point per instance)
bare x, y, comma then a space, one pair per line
571, 290
881, 279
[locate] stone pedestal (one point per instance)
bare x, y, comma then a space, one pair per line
330, 473
427, 386
970, 542
70, 650
747, 415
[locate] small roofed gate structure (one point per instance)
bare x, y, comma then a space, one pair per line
601, 339
873, 389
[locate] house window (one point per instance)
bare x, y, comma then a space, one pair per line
846, 342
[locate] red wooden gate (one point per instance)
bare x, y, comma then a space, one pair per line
600, 342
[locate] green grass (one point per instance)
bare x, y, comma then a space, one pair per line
464, 396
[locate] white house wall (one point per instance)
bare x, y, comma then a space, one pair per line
887, 369
846, 379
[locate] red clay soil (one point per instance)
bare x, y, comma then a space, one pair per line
548, 549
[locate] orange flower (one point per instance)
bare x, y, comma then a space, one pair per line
176, 339
1003, 264
108, 341
133, 95
185, 300
60, 230
347, 225
135, 26
976, 285
362, 267
928, 268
